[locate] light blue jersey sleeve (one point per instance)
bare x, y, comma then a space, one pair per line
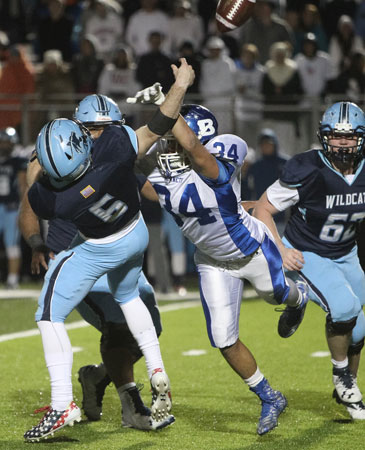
133, 137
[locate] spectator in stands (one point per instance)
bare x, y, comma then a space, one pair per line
350, 83
281, 88
155, 65
359, 18
55, 30
265, 170
332, 10
16, 80
13, 20
206, 10
316, 73
248, 102
140, 25
314, 66
310, 22
12, 187
86, 66
218, 82
344, 43
185, 24
193, 58
266, 28
4, 47
107, 27
55, 87
118, 78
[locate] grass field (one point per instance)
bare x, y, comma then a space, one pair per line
213, 408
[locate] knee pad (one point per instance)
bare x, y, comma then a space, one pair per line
118, 335
340, 328
355, 349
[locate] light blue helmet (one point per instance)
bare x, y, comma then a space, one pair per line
343, 119
96, 110
63, 150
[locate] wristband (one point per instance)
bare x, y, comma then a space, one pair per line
35, 241
161, 124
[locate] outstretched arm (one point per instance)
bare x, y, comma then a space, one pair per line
202, 161
264, 211
169, 110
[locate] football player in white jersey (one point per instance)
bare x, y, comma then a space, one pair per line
200, 187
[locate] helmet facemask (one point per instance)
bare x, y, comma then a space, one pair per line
344, 155
171, 157
343, 120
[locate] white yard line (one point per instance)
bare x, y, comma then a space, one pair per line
183, 303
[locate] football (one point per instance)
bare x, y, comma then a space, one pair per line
231, 14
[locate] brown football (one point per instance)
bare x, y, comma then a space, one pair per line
231, 14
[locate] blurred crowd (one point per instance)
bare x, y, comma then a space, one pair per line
260, 80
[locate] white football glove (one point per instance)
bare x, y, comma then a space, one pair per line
152, 94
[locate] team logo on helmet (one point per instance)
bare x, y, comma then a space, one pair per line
206, 127
75, 144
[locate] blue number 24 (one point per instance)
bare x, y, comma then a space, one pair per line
190, 193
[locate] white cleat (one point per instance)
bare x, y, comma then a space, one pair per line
161, 395
356, 410
346, 385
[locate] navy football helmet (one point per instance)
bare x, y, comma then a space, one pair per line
171, 158
96, 110
343, 119
63, 150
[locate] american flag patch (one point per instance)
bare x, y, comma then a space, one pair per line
86, 192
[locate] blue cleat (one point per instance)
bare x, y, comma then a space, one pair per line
273, 404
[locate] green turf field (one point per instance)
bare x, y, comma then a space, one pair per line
213, 408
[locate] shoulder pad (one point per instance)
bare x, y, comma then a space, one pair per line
228, 147
300, 168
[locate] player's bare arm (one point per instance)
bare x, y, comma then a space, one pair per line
248, 204
265, 211
149, 193
29, 222
202, 161
168, 112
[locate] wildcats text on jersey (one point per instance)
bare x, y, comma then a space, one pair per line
355, 198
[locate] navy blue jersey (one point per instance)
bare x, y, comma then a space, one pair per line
9, 170
61, 232
103, 200
330, 205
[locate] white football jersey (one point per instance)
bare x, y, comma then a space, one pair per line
208, 212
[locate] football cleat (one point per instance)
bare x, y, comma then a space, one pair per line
93, 380
292, 316
53, 421
161, 395
346, 385
273, 404
356, 410
135, 413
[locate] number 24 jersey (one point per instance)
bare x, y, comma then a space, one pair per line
209, 212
